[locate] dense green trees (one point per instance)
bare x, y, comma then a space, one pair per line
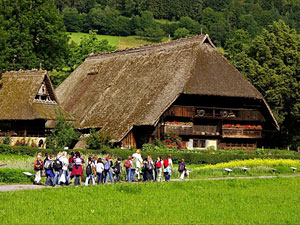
272, 62
31, 32
218, 18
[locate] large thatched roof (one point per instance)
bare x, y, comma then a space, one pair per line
17, 96
118, 90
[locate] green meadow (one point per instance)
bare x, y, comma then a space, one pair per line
118, 41
257, 201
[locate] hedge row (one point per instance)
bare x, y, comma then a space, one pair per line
9, 176
193, 158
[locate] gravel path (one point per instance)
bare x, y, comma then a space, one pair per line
18, 187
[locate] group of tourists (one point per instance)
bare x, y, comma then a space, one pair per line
61, 169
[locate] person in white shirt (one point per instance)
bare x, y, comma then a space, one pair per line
65, 162
99, 170
137, 162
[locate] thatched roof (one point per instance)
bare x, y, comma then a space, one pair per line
118, 90
17, 96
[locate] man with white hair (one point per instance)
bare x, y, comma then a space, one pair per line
137, 162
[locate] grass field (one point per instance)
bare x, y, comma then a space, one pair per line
257, 201
118, 41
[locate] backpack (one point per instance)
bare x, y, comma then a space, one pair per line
158, 164
166, 163
78, 161
146, 165
117, 167
127, 164
89, 169
48, 165
181, 167
107, 166
38, 165
57, 165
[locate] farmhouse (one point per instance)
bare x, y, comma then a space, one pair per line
27, 101
184, 87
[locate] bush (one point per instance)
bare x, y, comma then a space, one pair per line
98, 140
200, 157
14, 176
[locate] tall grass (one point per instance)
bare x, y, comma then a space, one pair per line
270, 201
254, 163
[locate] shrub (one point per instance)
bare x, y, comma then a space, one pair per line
197, 157
63, 134
98, 140
14, 176
7, 140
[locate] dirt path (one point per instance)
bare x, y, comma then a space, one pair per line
17, 187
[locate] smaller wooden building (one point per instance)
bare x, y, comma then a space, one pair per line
27, 101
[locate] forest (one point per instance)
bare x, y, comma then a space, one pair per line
261, 38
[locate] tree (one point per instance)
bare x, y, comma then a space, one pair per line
272, 62
89, 44
34, 33
63, 134
148, 28
181, 33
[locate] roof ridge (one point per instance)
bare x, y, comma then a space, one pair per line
147, 47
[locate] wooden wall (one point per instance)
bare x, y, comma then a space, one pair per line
129, 141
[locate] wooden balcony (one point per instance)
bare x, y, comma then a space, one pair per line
241, 133
192, 130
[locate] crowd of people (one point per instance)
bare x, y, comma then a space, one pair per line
61, 169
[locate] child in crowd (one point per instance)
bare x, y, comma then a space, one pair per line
181, 169
38, 167
49, 170
118, 169
78, 168
158, 168
128, 164
108, 170
89, 172
168, 166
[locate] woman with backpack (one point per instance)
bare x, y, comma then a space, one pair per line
181, 169
77, 169
49, 170
108, 170
127, 165
158, 168
168, 166
118, 169
38, 167
57, 166
89, 172
99, 170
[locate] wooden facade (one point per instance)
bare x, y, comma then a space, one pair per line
206, 121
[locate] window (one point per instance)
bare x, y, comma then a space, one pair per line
199, 143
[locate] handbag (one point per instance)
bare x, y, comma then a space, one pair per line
62, 178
